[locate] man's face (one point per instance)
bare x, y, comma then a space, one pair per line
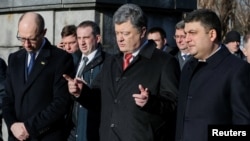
246, 50
29, 36
70, 43
180, 39
86, 40
156, 36
233, 46
128, 37
199, 40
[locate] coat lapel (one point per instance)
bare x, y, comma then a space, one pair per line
21, 66
40, 63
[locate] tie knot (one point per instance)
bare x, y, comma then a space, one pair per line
128, 56
85, 59
185, 56
32, 54
126, 61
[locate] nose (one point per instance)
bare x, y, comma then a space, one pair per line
119, 37
81, 41
26, 43
187, 38
66, 46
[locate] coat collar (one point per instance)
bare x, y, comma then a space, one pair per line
213, 60
99, 57
41, 61
146, 51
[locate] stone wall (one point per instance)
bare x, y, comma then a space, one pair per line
58, 13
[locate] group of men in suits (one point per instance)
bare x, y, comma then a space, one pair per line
146, 91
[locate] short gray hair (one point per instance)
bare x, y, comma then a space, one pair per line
130, 12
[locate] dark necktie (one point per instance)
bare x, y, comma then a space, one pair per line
31, 63
82, 66
185, 56
126, 60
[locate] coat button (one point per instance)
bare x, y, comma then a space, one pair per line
115, 101
112, 125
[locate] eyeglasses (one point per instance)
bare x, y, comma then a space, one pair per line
31, 40
180, 36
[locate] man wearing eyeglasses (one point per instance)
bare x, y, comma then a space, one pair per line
182, 55
37, 97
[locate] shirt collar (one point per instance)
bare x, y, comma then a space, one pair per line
90, 56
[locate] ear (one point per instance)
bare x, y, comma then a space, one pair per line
143, 32
213, 34
44, 31
244, 50
165, 41
98, 38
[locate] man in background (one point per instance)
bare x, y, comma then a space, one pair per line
232, 42
86, 116
182, 55
246, 46
159, 36
69, 42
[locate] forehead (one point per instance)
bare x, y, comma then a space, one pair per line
27, 28
124, 26
193, 26
155, 34
70, 37
84, 30
179, 31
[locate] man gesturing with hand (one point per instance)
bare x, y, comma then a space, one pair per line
138, 84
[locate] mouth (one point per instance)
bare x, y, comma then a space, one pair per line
121, 45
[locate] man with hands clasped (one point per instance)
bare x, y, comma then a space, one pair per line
138, 84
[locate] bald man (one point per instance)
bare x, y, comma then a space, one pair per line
37, 97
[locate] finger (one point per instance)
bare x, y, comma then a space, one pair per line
140, 96
79, 80
137, 96
141, 88
67, 77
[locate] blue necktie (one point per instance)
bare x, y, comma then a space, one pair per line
185, 56
32, 62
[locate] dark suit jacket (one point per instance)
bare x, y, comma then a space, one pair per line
182, 62
42, 101
212, 92
3, 68
121, 118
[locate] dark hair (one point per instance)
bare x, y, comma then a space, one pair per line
130, 12
208, 19
158, 30
68, 30
93, 25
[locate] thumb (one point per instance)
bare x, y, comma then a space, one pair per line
141, 88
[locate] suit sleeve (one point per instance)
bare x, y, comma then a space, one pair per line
8, 100
165, 101
240, 90
3, 68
